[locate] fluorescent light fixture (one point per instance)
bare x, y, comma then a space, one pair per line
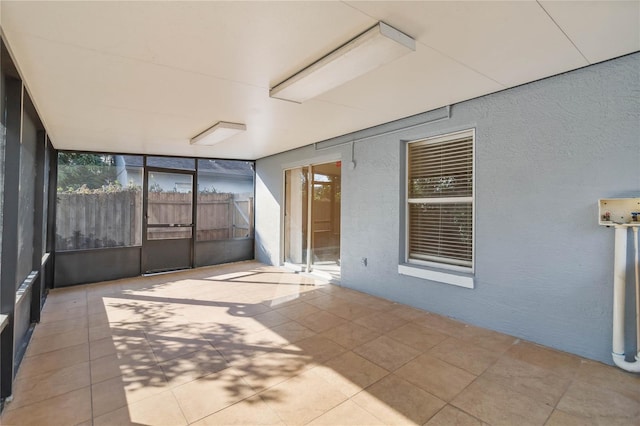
377, 46
217, 133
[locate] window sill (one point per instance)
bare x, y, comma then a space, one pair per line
460, 280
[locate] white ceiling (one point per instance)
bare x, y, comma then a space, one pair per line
145, 77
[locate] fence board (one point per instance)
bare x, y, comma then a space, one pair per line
115, 219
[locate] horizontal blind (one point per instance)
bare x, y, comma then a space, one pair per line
441, 169
440, 189
441, 233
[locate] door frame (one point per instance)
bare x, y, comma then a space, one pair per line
308, 165
145, 219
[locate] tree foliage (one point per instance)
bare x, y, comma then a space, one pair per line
91, 171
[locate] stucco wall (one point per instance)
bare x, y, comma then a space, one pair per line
545, 153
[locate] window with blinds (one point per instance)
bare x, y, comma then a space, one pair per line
440, 201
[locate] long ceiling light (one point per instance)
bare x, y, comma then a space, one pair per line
217, 133
377, 46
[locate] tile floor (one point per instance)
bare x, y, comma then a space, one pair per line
257, 345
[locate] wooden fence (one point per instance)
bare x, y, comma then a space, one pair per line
224, 216
115, 219
86, 221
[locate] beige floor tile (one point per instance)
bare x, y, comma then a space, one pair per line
60, 296
610, 377
193, 314
68, 409
381, 322
100, 332
350, 310
585, 399
118, 392
207, 395
528, 379
350, 373
297, 310
347, 414
45, 344
278, 300
492, 403
436, 377
247, 309
560, 363
106, 368
72, 302
396, 401
420, 338
50, 384
487, 339
350, 335
250, 313
319, 349
234, 352
271, 319
335, 290
49, 361
370, 301
98, 319
387, 353
321, 321
442, 324
408, 313
291, 332
122, 343
221, 331
302, 398
69, 313
451, 416
560, 418
167, 346
265, 371
269, 338
324, 301
102, 347
252, 411
469, 357
193, 366
95, 306
51, 328
161, 409
115, 365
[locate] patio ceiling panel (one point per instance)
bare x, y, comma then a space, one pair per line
145, 77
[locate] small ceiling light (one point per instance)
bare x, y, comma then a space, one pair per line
217, 133
377, 46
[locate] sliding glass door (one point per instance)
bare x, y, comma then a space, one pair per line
312, 217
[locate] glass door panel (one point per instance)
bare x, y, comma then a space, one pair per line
312, 217
325, 214
296, 215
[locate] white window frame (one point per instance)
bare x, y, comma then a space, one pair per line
450, 273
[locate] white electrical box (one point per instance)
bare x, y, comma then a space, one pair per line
613, 211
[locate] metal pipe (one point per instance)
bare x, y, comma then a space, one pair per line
635, 246
619, 282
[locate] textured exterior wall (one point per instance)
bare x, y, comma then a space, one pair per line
545, 153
